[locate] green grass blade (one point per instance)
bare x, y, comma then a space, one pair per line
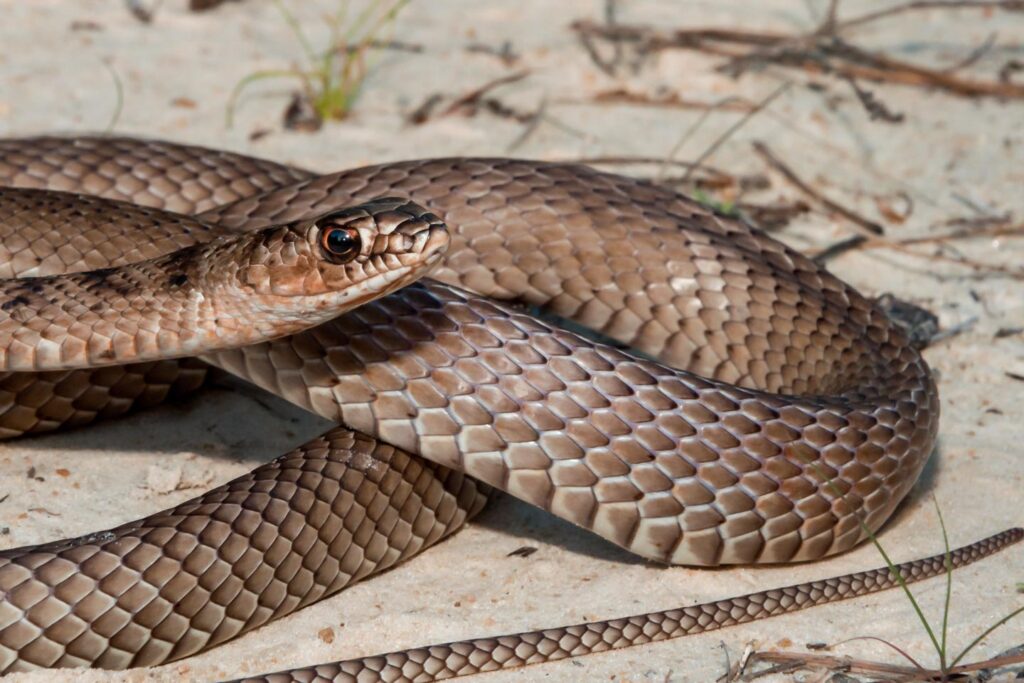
885, 556
333, 78
903, 585
984, 635
300, 35
385, 19
948, 565
361, 19
115, 116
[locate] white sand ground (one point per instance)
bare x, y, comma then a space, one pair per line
948, 155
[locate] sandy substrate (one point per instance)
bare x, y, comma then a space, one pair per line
952, 157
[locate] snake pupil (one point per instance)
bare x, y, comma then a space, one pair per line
341, 244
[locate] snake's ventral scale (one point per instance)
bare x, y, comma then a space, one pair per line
784, 415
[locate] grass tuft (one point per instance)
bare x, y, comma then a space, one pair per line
330, 80
940, 644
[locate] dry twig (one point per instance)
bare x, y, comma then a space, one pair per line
666, 101
470, 102
720, 140
865, 225
1007, 5
894, 672
821, 52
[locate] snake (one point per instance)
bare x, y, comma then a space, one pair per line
665, 376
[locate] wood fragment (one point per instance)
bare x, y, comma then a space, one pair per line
863, 224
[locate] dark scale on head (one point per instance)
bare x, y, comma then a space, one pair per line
179, 280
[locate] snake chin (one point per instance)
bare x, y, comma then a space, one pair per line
306, 311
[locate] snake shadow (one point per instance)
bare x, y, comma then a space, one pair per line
226, 419
922, 491
234, 420
528, 524
512, 517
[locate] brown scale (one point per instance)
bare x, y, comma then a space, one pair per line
786, 377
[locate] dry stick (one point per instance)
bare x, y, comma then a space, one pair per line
869, 668
837, 248
794, 661
877, 111
673, 101
860, 242
889, 70
869, 227
606, 66
532, 123
844, 155
684, 138
993, 231
832, 56
831, 16
474, 96
983, 268
1009, 5
713, 147
472, 101
813, 54
610, 10
682, 38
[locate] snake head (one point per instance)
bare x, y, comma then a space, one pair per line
344, 258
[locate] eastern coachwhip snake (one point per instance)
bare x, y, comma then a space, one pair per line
799, 413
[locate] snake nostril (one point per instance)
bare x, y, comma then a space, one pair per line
437, 238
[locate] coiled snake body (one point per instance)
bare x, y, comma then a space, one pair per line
797, 416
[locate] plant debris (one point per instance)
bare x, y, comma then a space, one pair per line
471, 102
820, 52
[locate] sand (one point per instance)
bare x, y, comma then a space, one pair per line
950, 158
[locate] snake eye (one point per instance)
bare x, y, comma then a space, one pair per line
340, 244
